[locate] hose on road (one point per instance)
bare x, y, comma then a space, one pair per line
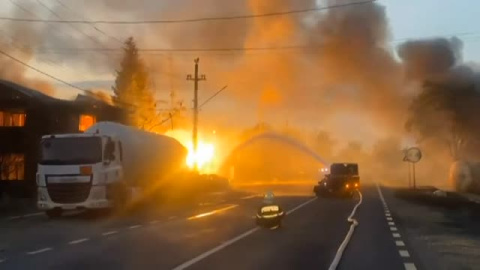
353, 223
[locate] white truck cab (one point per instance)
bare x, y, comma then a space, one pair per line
79, 171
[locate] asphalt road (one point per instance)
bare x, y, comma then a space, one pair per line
216, 233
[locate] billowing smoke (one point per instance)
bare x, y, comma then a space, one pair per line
340, 74
13, 43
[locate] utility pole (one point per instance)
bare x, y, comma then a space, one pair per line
195, 80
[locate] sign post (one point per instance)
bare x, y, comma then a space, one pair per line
412, 156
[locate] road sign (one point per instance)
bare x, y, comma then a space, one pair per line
413, 155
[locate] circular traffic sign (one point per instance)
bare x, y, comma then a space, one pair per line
413, 155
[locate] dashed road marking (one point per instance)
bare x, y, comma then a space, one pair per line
39, 251
74, 242
400, 243
410, 266
109, 233
248, 197
134, 227
404, 253
398, 240
227, 243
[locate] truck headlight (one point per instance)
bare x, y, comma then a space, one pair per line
347, 186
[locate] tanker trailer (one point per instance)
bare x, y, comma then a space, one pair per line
104, 167
465, 176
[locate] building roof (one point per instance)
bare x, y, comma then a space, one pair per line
28, 92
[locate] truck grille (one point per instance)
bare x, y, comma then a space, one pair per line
69, 192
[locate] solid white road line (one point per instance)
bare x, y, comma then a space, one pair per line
229, 242
301, 205
404, 253
39, 251
410, 266
134, 227
343, 246
25, 216
109, 233
74, 242
400, 243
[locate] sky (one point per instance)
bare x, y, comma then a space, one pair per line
408, 19
433, 18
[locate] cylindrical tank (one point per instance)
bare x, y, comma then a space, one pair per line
148, 158
465, 176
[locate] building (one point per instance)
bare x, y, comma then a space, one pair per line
25, 116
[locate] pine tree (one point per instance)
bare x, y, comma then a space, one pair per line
132, 88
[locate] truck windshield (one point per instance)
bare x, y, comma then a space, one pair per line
71, 151
344, 169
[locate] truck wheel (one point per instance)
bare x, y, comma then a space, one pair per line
54, 213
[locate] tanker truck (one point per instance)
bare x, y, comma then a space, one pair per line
105, 167
465, 176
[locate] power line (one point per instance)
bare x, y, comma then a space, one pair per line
68, 50
40, 71
214, 95
73, 27
204, 19
91, 24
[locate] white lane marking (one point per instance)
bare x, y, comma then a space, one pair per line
109, 233
153, 221
229, 242
353, 223
301, 205
74, 242
400, 243
39, 251
172, 217
134, 227
410, 266
25, 216
248, 197
404, 253
213, 212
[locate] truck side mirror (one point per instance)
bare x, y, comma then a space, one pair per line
109, 151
